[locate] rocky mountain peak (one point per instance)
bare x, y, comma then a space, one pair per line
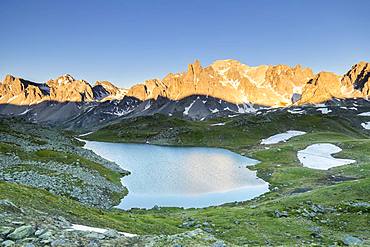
231, 81
358, 77
195, 67
107, 86
67, 88
8, 79
15, 90
228, 80
65, 79
105, 90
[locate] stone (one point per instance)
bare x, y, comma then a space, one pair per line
95, 235
206, 223
10, 206
93, 243
46, 235
21, 232
316, 232
46, 241
40, 232
351, 241
219, 244
207, 229
111, 233
8, 243
19, 223
279, 214
189, 223
194, 233
28, 245
60, 242
5, 230
361, 204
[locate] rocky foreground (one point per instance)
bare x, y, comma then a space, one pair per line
30, 228
46, 159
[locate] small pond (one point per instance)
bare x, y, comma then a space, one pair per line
181, 176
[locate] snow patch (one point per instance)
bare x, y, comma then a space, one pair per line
297, 111
318, 156
27, 110
147, 106
366, 125
85, 134
218, 124
282, 137
214, 110
186, 111
365, 114
76, 227
324, 110
246, 108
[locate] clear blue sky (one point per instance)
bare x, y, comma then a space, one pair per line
129, 41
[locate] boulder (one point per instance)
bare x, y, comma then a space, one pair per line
5, 230
280, 214
351, 241
21, 232
8, 243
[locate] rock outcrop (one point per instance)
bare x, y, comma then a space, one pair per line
17, 91
105, 90
358, 78
228, 80
231, 81
275, 86
66, 88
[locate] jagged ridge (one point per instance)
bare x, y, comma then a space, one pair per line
229, 80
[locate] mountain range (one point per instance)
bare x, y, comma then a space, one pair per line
225, 87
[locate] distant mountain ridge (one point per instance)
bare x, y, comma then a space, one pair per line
229, 80
17, 91
225, 88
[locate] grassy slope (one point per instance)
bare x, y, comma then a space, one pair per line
45, 155
251, 222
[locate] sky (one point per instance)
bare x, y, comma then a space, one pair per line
127, 42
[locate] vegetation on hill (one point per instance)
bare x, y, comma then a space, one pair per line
305, 206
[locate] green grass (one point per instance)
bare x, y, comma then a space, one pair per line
256, 225
238, 132
244, 223
62, 157
280, 167
69, 158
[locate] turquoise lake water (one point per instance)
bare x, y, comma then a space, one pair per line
181, 176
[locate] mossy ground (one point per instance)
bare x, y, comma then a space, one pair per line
293, 188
